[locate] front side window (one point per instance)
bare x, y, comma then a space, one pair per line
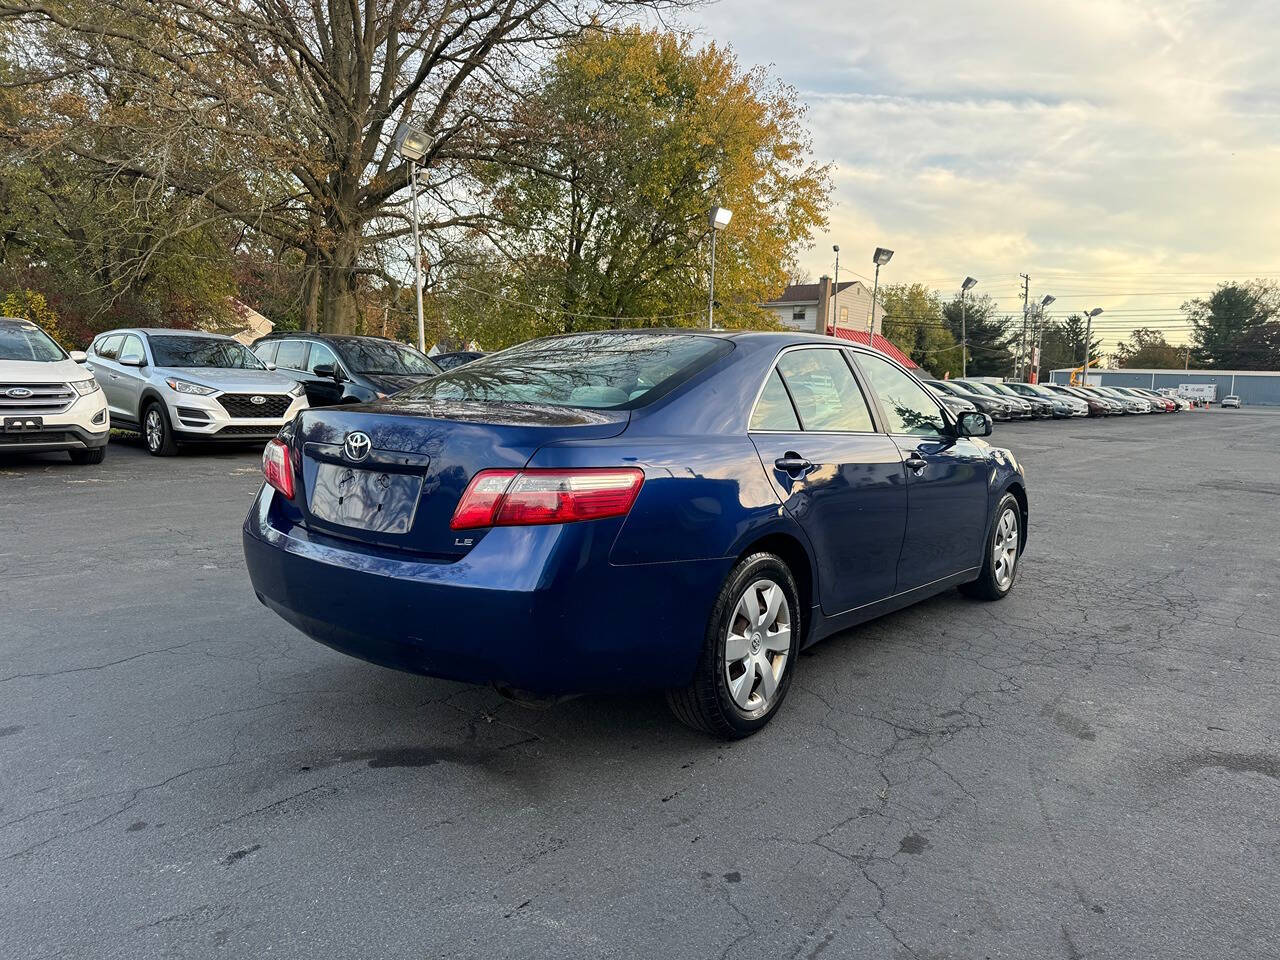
907, 406
266, 351
596, 370
23, 340
826, 395
320, 356
203, 352
774, 410
131, 350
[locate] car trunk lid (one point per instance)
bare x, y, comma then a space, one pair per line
400, 488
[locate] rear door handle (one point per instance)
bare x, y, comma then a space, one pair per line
916, 463
793, 463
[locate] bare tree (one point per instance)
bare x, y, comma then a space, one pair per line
277, 115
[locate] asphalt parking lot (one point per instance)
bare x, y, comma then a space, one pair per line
1090, 769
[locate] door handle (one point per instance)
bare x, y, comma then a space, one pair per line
916, 463
793, 463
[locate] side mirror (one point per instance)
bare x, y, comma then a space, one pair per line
271, 366
326, 370
133, 360
974, 424
79, 356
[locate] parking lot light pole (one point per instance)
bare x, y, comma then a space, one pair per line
969, 284
835, 295
1039, 336
413, 144
879, 258
1088, 330
719, 218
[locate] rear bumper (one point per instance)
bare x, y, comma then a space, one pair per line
539, 609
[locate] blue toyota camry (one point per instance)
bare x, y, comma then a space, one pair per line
632, 510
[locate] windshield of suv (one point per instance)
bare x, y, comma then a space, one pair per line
981, 388
203, 352
23, 340
386, 357
596, 370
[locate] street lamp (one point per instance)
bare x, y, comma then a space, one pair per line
718, 218
968, 284
413, 144
1039, 337
835, 296
879, 258
1088, 329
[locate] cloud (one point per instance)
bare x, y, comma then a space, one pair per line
1122, 152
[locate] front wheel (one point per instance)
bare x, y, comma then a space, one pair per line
157, 432
1004, 547
748, 653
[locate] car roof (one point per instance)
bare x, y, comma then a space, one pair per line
166, 332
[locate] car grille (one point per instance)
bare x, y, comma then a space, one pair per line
242, 405
42, 436
44, 398
247, 431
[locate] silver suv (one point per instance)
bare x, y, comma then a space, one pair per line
176, 385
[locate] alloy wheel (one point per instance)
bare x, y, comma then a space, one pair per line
758, 645
154, 427
1004, 552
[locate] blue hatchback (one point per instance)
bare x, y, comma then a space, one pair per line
631, 510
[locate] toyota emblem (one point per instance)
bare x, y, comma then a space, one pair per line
18, 393
357, 446
259, 400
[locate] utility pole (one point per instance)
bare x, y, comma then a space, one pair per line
1022, 341
1088, 330
835, 296
968, 284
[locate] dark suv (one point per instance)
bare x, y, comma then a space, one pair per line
338, 369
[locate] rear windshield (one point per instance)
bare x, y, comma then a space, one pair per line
598, 370
26, 341
203, 352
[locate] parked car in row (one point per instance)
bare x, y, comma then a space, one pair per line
994, 407
48, 400
1063, 404
1040, 407
1021, 409
955, 404
1231, 400
752, 493
345, 369
174, 386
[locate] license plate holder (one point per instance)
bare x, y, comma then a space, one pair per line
365, 499
23, 424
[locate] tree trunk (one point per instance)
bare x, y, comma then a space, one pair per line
338, 274
311, 293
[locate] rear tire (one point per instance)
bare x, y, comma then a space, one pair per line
88, 457
748, 653
157, 432
1002, 551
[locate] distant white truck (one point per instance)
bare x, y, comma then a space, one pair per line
1206, 392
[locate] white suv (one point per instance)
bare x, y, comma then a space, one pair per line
48, 401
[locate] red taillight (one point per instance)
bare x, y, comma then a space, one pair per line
277, 468
512, 498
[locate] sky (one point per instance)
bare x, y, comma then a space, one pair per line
1124, 153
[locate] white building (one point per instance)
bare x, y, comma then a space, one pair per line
802, 304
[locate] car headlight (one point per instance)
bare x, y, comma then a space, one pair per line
86, 387
297, 389
185, 386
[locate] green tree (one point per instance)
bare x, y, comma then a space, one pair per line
914, 322
633, 135
987, 332
1237, 327
1063, 344
1147, 348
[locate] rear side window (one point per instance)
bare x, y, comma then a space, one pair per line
109, 347
292, 354
605, 371
774, 410
826, 395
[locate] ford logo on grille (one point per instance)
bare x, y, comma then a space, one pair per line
357, 446
18, 393
259, 400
